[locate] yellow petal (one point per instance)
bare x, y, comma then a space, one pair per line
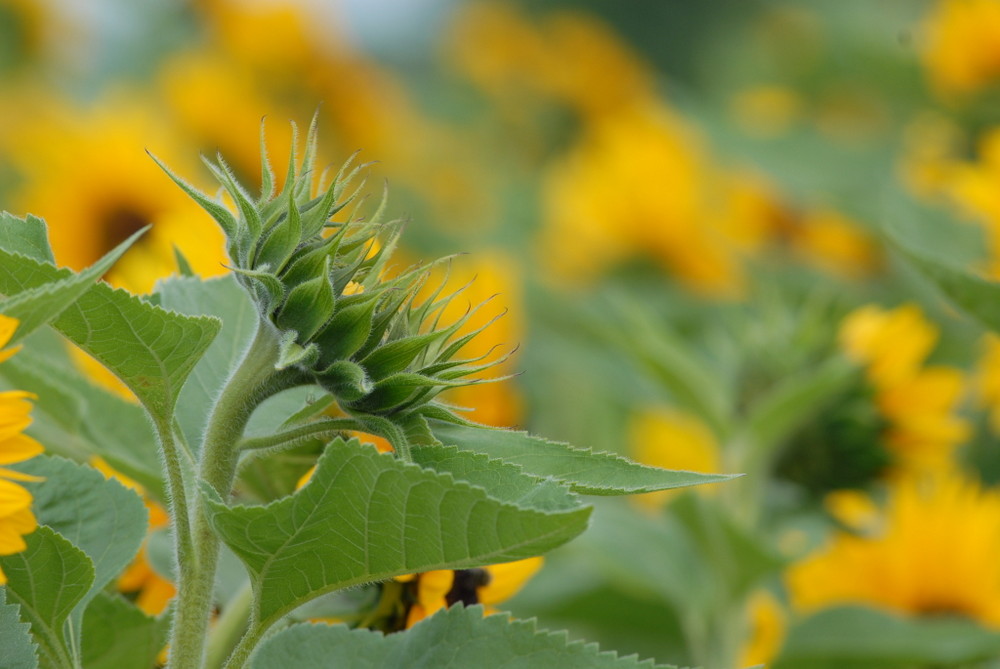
432, 588
4, 355
19, 476
13, 498
7, 326
18, 448
507, 578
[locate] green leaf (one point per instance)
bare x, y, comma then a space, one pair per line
19, 651
224, 298
863, 638
47, 580
27, 236
103, 518
976, 296
38, 306
152, 350
366, 517
583, 470
117, 635
454, 638
78, 419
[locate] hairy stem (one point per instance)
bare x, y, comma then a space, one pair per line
253, 381
255, 632
287, 439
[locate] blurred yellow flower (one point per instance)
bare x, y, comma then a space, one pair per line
988, 379
972, 188
918, 402
637, 183
768, 626
16, 518
85, 172
152, 591
672, 439
766, 110
835, 243
961, 54
931, 551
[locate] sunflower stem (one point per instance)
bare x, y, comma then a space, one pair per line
254, 380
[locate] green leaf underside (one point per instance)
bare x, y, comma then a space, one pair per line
148, 348
871, 639
584, 471
38, 306
103, 518
82, 419
117, 635
224, 298
454, 638
19, 651
976, 296
47, 602
366, 517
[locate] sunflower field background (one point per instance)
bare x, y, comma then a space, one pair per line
728, 237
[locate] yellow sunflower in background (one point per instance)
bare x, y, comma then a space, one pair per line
430, 591
918, 401
16, 518
961, 38
673, 439
930, 550
86, 173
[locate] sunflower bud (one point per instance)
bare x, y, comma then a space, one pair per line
357, 331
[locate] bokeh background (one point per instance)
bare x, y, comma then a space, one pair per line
695, 216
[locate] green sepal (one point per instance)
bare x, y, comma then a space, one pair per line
264, 286
217, 211
281, 241
291, 353
346, 380
397, 355
347, 331
308, 306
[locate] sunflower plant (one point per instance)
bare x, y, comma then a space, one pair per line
311, 346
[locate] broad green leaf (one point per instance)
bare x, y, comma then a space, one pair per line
149, 348
454, 638
19, 651
48, 580
38, 306
584, 471
27, 236
366, 516
117, 635
224, 298
863, 638
976, 296
77, 419
103, 518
